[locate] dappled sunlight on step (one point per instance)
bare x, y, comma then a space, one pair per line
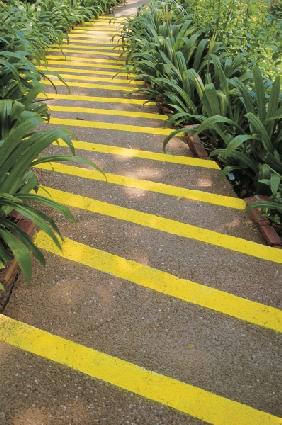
146, 173
66, 292
134, 193
235, 223
32, 416
204, 182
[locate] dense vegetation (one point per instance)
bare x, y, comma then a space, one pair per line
216, 63
27, 29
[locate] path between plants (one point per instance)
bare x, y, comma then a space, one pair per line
163, 306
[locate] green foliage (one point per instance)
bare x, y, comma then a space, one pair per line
198, 57
27, 29
175, 59
249, 138
248, 27
20, 149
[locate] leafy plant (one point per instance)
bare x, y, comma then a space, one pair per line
27, 29
250, 141
176, 60
197, 59
20, 149
247, 27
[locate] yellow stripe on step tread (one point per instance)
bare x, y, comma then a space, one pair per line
89, 86
92, 43
82, 46
103, 29
112, 112
92, 37
49, 69
94, 31
100, 23
94, 78
185, 290
111, 126
100, 27
151, 186
85, 51
135, 153
99, 64
86, 98
193, 232
81, 59
186, 398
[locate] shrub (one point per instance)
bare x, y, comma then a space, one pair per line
20, 150
26, 32
200, 59
27, 29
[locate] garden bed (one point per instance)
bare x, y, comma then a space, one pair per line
212, 68
267, 230
9, 275
28, 29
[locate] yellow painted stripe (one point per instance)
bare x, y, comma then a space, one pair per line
80, 71
185, 290
83, 46
200, 234
89, 48
85, 51
90, 79
94, 42
142, 154
70, 62
186, 398
90, 32
102, 22
80, 59
135, 153
102, 29
164, 189
108, 125
93, 34
111, 112
94, 31
89, 86
99, 27
127, 101
91, 37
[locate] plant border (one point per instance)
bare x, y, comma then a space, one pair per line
11, 273
266, 229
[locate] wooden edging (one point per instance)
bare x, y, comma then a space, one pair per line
9, 275
196, 146
265, 227
267, 231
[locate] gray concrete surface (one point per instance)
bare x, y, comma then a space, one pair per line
210, 350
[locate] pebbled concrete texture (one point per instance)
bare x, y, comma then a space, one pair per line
213, 351
37, 392
187, 342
